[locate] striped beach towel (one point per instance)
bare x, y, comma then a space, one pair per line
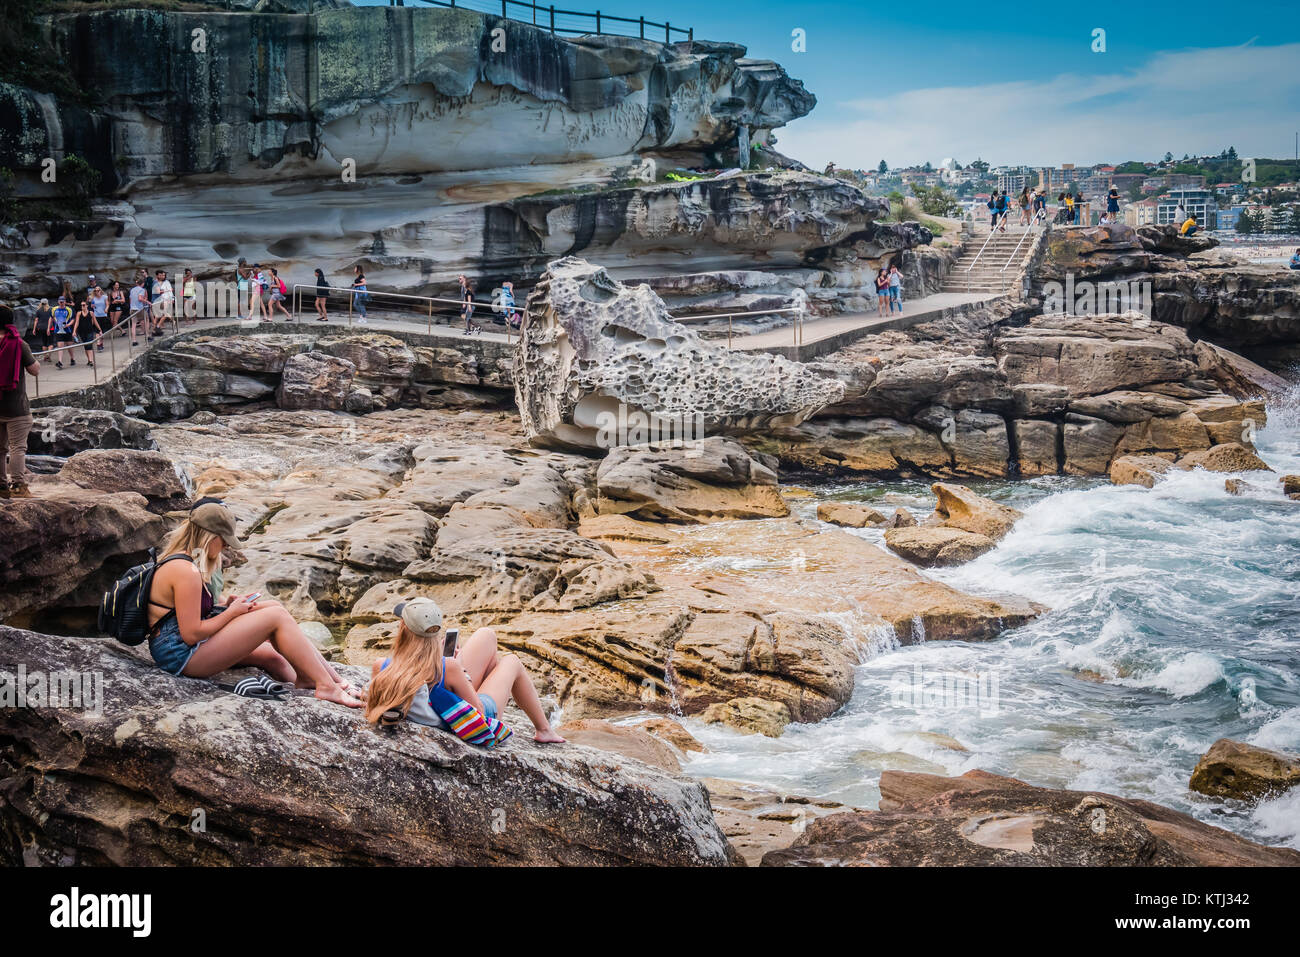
466, 721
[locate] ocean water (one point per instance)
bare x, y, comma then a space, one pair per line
1175, 621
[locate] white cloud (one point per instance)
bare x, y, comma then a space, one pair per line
1192, 101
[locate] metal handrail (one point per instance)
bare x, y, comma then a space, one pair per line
600, 19
351, 293
993, 229
107, 334
1002, 277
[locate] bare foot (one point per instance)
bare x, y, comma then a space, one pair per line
548, 737
338, 696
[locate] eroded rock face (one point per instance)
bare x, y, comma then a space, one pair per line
1045, 395
598, 358
986, 819
67, 545
1254, 309
305, 788
151, 474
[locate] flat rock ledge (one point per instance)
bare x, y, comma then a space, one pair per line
983, 819
305, 782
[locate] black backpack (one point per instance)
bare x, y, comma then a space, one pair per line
124, 609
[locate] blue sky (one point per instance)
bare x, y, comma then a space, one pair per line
910, 82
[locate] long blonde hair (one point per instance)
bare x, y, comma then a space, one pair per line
415, 661
189, 539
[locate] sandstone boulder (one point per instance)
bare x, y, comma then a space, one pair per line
304, 782
715, 478
152, 474
937, 546
750, 715
1291, 486
314, 380
1138, 470
66, 550
986, 819
64, 430
849, 514
1234, 769
1228, 457
958, 507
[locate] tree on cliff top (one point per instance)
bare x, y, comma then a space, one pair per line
26, 58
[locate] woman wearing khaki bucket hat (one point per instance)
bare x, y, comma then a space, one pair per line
189, 637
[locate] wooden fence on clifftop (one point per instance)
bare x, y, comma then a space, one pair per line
573, 22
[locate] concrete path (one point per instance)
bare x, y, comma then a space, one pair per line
54, 380
822, 336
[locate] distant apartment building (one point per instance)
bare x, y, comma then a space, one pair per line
1228, 217
1197, 202
1171, 180
1012, 182
1057, 179
1141, 213
1098, 185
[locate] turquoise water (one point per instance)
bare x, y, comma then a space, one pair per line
1175, 621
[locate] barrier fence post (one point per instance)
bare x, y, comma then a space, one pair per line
428, 329
552, 18
728, 333
668, 33
597, 23
112, 349
642, 19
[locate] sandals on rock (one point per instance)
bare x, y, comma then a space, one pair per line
260, 687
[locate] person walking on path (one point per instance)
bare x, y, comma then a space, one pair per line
359, 295
40, 339
116, 304
189, 296
16, 362
322, 297
139, 306
255, 286
467, 309
1023, 202
86, 329
99, 306
993, 211
895, 288
1112, 204
164, 301
60, 329
279, 292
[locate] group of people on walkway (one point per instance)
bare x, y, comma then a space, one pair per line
82, 318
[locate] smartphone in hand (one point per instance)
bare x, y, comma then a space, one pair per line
252, 598
449, 646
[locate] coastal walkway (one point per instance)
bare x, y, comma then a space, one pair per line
820, 337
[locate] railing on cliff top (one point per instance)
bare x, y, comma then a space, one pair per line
601, 24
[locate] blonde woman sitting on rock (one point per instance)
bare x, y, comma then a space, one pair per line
420, 672
189, 637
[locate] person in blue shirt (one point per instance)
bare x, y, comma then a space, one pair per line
1295, 260
61, 329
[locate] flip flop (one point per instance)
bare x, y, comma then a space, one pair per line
251, 688
271, 686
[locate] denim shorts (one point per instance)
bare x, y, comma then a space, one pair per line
489, 706
170, 653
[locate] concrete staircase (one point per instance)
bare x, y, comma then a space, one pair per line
987, 276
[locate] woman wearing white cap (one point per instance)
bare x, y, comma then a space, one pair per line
186, 636
476, 673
